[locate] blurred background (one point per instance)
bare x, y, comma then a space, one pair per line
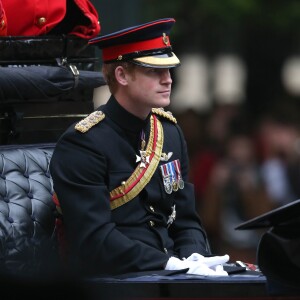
236, 96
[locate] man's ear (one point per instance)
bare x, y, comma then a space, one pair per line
120, 75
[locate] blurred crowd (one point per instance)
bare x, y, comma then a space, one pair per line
241, 168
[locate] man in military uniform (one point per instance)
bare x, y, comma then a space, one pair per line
120, 174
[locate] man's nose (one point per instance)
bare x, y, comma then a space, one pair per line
166, 76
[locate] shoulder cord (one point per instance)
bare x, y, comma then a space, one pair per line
141, 175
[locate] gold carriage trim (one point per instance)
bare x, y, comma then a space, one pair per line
141, 176
91, 120
166, 114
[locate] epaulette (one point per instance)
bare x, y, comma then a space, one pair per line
88, 122
166, 114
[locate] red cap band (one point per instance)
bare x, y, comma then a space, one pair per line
113, 52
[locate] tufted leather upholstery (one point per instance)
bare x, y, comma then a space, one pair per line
27, 212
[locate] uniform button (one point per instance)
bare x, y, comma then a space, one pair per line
2, 24
152, 223
152, 208
41, 21
166, 251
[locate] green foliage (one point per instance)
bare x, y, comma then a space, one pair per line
276, 14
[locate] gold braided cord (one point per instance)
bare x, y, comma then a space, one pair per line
166, 114
90, 121
141, 176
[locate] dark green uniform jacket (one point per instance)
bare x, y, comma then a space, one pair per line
135, 236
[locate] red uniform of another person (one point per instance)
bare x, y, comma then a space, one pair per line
40, 17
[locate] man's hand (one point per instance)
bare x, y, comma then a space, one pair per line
213, 265
199, 265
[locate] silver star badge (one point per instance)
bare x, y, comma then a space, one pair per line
172, 216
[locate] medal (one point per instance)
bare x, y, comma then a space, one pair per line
175, 186
170, 177
178, 171
174, 177
181, 184
168, 186
144, 159
166, 178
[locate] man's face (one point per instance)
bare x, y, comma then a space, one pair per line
150, 87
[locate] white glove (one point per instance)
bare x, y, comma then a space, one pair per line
209, 266
199, 265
